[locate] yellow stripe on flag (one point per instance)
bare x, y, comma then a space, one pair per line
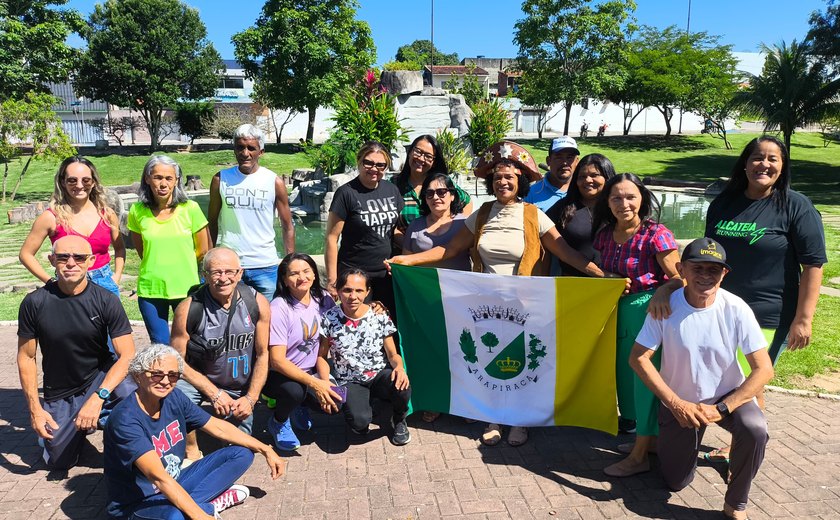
585, 376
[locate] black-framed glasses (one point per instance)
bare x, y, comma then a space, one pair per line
371, 165
440, 192
72, 181
63, 258
158, 376
420, 154
217, 273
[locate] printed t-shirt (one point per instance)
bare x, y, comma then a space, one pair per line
99, 240
298, 327
543, 194
246, 217
765, 246
700, 346
72, 332
502, 241
418, 239
357, 346
169, 267
131, 432
636, 258
369, 217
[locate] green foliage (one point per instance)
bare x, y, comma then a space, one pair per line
490, 341
194, 118
226, 118
33, 48
336, 155
302, 53
536, 351
421, 51
468, 346
825, 45
30, 123
792, 90
146, 55
830, 129
468, 85
490, 124
402, 65
574, 45
454, 151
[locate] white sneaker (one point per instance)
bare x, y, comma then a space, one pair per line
234, 496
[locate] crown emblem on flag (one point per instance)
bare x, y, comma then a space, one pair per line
508, 365
497, 312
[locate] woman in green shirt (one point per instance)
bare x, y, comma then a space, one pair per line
170, 234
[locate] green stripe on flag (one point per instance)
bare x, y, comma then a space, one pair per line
419, 309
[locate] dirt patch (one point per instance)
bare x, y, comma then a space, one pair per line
827, 383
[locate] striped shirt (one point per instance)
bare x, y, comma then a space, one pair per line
636, 258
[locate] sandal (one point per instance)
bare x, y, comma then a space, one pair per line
718, 455
430, 417
492, 435
518, 436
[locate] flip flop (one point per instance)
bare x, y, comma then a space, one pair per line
717, 455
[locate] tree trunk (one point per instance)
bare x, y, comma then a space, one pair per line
568, 108
541, 121
20, 179
664, 111
5, 176
788, 134
630, 124
152, 118
310, 128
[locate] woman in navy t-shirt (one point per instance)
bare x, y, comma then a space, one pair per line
145, 447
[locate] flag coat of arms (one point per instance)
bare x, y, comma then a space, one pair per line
520, 351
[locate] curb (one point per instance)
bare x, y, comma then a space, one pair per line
13, 323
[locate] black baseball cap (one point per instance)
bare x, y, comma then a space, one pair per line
705, 250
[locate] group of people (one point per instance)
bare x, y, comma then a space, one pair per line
247, 323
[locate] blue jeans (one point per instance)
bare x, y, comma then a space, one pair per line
155, 312
103, 277
195, 396
203, 480
263, 279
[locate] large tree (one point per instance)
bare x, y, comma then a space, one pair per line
823, 36
576, 43
33, 48
146, 55
793, 90
421, 51
302, 53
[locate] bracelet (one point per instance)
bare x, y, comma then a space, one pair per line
218, 395
248, 397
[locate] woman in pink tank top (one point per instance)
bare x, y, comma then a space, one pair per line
77, 207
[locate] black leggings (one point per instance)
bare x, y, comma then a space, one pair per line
357, 410
289, 394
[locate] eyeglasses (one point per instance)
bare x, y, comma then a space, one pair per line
440, 192
370, 165
157, 377
72, 181
217, 273
63, 258
420, 154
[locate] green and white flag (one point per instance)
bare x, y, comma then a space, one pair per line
514, 350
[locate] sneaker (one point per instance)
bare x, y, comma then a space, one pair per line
283, 436
363, 431
234, 496
300, 419
626, 425
401, 434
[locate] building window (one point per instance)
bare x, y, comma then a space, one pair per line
225, 82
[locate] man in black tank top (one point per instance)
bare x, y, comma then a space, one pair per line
225, 344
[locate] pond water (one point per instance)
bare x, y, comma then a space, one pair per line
683, 213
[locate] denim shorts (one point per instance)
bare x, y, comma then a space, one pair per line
103, 277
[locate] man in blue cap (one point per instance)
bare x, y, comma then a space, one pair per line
562, 160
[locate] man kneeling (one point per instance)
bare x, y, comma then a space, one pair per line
700, 381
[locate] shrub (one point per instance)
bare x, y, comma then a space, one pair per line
490, 124
194, 118
468, 86
454, 151
402, 65
336, 155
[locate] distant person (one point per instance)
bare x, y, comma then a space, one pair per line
70, 320
562, 160
243, 201
222, 331
602, 129
169, 232
584, 129
700, 381
78, 208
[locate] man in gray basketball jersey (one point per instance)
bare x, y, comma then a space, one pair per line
222, 332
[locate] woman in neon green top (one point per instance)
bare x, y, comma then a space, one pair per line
170, 234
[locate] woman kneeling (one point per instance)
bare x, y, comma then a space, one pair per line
359, 341
145, 446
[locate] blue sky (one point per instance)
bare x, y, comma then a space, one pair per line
485, 27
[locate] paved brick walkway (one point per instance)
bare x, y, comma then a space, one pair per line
445, 472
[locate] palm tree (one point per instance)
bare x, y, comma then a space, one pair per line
792, 90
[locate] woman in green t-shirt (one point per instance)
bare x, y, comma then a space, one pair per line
170, 234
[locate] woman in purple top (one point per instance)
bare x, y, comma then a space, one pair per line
298, 375
634, 245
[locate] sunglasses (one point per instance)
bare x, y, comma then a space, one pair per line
370, 165
157, 377
72, 181
440, 192
63, 258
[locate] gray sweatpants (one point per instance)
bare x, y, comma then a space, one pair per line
678, 448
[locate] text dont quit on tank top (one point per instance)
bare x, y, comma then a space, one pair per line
246, 219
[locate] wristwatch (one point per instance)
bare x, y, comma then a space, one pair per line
722, 409
103, 393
